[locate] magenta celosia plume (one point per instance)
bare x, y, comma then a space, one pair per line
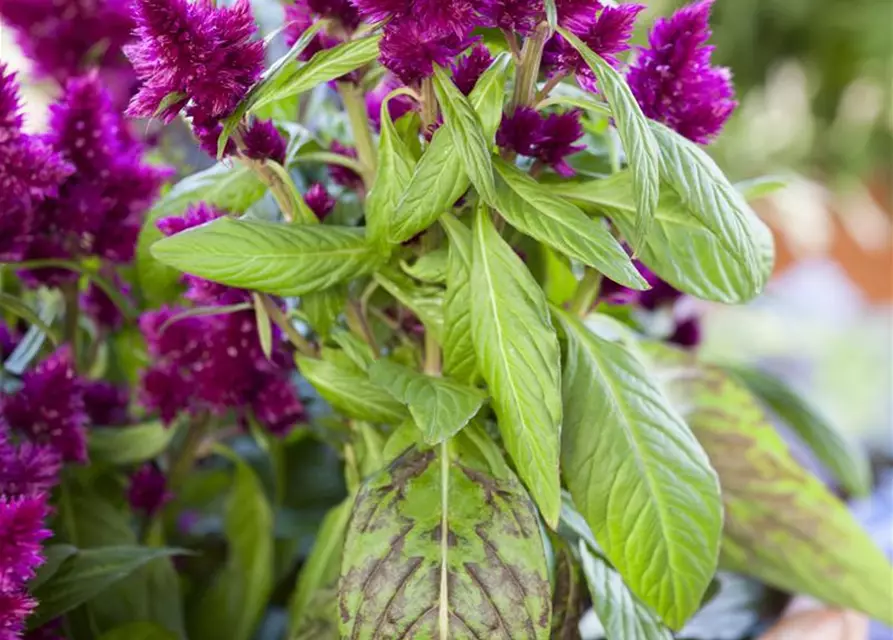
148, 492
548, 138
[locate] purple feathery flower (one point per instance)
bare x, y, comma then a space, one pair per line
576, 14
165, 390
550, 139
347, 178
687, 333
193, 49
277, 406
674, 81
15, 606
521, 132
410, 49
148, 491
26, 468
298, 18
52, 630
106, 404
22, 532
49, 408
319, 201
262, 141
380, 10
468, 69
520, 16
398, 106
607, 34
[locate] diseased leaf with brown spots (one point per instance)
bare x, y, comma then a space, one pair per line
567, 601
438, 548
782, 525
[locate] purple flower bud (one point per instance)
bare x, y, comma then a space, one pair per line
549, 139
673, 80
519, 16
347, 178
319, 201
165, 390
263, 141
168, 336
397, 106
49, 408
15, 606
277, 406
380, 10
521, 132
298, 18
27, 469
410, 50
468, 69
687, 333
342, 11
106, 404
22, 531
148, 492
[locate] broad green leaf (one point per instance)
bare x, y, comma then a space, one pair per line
439, 179
323, 565
458, 346
681, 248
139, 631
782, 525
560, 283
21, 310
403, 437
848, 464
430, 267
639, 142
469, 139
322, 308
357, 350
424, 301
233, 187
708, 195
129, 445
438, 548
54, 556
273, 258
87, 574
619, 611
637, 474
321, 621
530, 208
233, 605
351, 392
440, 407
395, 168
519, 357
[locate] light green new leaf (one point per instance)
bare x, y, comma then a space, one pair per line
467, 132
233, 605
440, 407
639, 143
273, 258
709, 196
351, 392
637, 474
439, 179
322, 308
430, 267
519, 357
129, 445
620, 612
458, 347
439, 548
424, 301
139, 631
530, 208
782, 524
88, 573
849, 464
681, 248
323, 565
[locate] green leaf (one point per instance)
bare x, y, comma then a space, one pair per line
437, 548
848, 463
439, 179
264, 326
358, 351
551, 14
440, 407
568, 599
139, 631
129, 445
560, 283
233, 605
639, 143
465, 128
430, 267
424, 301
21, 310
711, 199
322, 308
682, 249
519, 357
272, 258
87, 574
458, 347
619, 611
637, 474
351, 392
760, 187
323, 565
403, 437
531, 209
782, 525
54, 556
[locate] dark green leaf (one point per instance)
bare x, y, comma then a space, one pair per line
139, 631
848, 464
440, 407
438, 548
568, 597
54, 556
272, 258
129, 445
469, 139
458, 346
637, 474
519, 357
351, 392
530, 208
639, 143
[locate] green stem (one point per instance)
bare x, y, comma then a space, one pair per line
429, 104
277, 316
359, 324
185, 458
529, 68
587, 292
355, 105
70, 293
433, 358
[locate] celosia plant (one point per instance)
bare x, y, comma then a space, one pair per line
432, 299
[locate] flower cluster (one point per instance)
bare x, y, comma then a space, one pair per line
548, 138
301, 15
674, 81
148, 492
214, 362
